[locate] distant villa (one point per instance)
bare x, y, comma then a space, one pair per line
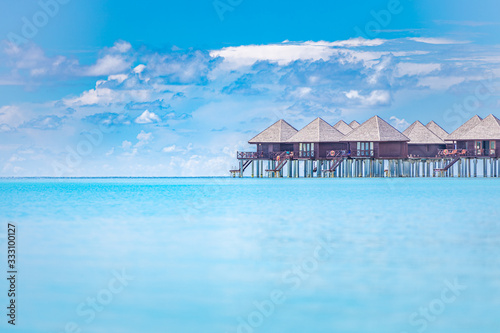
374, 149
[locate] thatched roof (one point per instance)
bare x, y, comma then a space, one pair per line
342, 127
375, 129
354, 124
438, 130
421, 135
487, 129
317, 131
278, 132
472, 122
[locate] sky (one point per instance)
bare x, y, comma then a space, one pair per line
175, 88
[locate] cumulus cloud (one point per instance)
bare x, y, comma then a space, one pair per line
6, 128
126, 145
139, 68
44, 123
147, 118
114, 60
415, 69
108, 119
109, 64
144, 138
179, 66
282, 54
168, 149
376, 97
400, 124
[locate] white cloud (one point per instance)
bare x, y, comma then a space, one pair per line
118, 77
109, 64
16, 158
121, 46
400, 124
13, 116
168, 149
281, 54
144, 138
287, 52
5, 128
353, 42
107, 92
126, 145
139, 69
437, 41
414, 69
440, 82
376, 97
147, 117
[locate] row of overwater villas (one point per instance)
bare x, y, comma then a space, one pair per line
424, 148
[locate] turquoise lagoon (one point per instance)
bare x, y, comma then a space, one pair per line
254, 255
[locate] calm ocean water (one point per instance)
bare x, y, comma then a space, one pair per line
254, 255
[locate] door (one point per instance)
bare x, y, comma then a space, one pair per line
478, 146
486, 146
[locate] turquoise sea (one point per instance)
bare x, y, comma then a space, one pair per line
253, 255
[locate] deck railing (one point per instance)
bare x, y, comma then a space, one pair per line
253, 155
333, 154
467, 153
336, 153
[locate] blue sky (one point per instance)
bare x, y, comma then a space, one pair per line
164, 88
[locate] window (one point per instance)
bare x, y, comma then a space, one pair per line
306, 149
479, 147
492, 145
364, 148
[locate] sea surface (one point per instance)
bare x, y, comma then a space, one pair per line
253, 255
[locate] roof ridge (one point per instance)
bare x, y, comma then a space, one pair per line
378, 127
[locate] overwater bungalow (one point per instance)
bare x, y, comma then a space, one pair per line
342, 127
374, 149
274, 139
317, 140
375, 138
423, 142
438, 130
482, 139
451, 139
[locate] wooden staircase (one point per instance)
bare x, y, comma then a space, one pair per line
449, 165
282, 159
240, 171
335, 164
